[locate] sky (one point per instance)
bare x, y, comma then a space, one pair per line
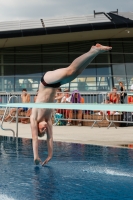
40, 9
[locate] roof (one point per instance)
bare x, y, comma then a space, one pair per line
65, 25
126, 15
52, 22
67, 22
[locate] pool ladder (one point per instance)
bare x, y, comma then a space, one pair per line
16, 116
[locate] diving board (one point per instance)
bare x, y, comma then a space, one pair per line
73, 106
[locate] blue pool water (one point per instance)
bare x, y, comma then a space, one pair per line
76, 172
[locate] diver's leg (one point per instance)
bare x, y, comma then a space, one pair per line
65, 75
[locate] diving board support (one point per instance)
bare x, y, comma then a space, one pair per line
111, 124
95, 122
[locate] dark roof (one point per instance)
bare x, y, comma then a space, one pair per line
102, 21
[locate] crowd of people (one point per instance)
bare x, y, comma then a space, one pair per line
66, 97
74, 97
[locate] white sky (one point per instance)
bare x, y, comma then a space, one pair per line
36, 9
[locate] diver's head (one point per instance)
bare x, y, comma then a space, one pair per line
42, 127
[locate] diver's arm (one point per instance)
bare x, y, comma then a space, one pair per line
34, 131
49, 142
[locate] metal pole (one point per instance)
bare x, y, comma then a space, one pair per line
16, 122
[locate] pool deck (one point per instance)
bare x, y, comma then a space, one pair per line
85, 135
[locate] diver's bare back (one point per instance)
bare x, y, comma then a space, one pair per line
45, 95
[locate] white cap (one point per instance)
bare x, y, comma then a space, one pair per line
132, 87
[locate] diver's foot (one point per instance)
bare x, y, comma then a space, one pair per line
105, 48
101, 48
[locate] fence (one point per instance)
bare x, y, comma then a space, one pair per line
103, 118
90, 118
12, 98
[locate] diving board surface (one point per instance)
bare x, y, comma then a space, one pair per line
74, 106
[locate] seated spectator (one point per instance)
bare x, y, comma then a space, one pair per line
113, 96
25, 97
107, 101
65, 99
130, 97
28, 114
59, 95
35, 97
75, 98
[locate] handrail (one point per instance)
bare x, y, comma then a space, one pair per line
4, 117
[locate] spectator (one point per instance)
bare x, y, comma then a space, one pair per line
65, 99
123, 93
130, 97
25, 98
59, 95
35, 97
75, 98
107, 101
113, 96
28, 114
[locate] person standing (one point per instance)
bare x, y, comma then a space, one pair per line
123, 94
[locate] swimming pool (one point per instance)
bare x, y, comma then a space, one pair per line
76, 172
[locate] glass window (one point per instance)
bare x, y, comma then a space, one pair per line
65, 86
91, 83
118, 69
116, 45
7, 83
129, 82
117, 52
54, 66
118, 79
28, 60
129, 68
104, 83
30, 83
8, 64
55, 56
103, 58
103, 70
28, 70
128, 46
90, 70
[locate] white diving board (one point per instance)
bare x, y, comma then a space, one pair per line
72, 106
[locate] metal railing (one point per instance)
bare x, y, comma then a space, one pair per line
2, 120
89, 117
112, 118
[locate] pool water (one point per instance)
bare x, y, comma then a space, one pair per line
76, 172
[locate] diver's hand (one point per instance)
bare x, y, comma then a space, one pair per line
37, 161
46, 161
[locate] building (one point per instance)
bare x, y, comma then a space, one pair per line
30, 48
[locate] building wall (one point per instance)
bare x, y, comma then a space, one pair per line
22, 67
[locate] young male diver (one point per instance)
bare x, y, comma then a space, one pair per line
41, 117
